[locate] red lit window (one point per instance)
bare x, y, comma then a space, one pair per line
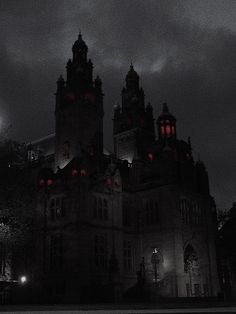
168, 130
173, 130
83, 172
49, 182
109, 181
150, 156
74, 173
162, 130
41, 182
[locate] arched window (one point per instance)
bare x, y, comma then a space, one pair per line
191, 263
156, 261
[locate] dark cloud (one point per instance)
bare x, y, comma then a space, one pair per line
184, 52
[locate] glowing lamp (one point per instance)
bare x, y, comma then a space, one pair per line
23, 279
83, 172
41, 182
150, 156
49, 182
74, 173
109, 181
162, 130
168, 130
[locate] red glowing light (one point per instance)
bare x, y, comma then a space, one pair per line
162, 130
109, 182
168, 130
74, 173
49, 182
150, 156
83, 172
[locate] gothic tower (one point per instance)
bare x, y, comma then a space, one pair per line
133, 130
79, 110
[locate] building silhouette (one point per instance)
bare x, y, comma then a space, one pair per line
139, 221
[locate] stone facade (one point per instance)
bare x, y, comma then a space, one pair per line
141, 219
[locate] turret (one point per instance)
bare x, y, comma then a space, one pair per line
166, 125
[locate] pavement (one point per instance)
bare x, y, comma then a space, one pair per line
121, 309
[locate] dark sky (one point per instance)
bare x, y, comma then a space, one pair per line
184, 51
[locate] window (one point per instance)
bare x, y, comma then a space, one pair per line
57, 208
191, 212
2, 259
126, 213
127, 255
100, 208
151, 215
191, 263
52, 209
101, 251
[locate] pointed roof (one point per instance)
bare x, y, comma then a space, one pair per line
80, 44
132, 74
165, 113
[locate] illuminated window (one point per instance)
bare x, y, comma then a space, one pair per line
173, 130
168, 132
83, 172
74, 173
150, 156
49, 182
162, 130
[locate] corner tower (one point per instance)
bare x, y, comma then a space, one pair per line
133, 128
79, 110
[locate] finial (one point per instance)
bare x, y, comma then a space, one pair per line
165, 107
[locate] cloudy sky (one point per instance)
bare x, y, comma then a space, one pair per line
184, 51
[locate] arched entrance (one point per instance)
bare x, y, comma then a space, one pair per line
192, 268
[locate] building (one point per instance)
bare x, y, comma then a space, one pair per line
138, 220
227, 253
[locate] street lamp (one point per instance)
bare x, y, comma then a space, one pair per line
23, 279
